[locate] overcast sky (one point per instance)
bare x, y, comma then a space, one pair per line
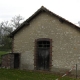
68, 9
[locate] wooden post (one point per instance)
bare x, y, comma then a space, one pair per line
76, 71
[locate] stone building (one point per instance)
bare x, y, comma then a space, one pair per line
46, 41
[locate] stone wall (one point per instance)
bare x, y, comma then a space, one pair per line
7, 60
65, 42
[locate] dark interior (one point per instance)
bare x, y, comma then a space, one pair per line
43, 50
16, 60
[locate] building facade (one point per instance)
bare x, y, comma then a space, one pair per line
47, 41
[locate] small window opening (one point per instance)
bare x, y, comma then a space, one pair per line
43, 44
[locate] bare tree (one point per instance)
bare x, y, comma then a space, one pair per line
1, 34
79, 23
16, 21
6, 28
5, 42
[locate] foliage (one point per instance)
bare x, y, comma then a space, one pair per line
3, 52
6, 28
10, 74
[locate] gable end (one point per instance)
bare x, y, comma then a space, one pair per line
42, 9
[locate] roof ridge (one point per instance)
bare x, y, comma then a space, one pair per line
26, 22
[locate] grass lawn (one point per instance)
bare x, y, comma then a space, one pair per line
11, 74
2, 52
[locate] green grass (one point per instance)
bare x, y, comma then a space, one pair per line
2, 52
11, 74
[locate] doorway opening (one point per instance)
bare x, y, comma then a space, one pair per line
16, 60
43, 55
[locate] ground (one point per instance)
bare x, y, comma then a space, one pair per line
12, 74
